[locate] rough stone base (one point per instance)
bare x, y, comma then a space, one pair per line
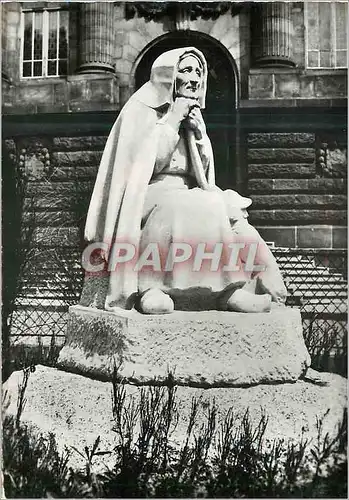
78, 410
206, 349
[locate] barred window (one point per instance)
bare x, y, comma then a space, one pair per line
326, 26
44, 37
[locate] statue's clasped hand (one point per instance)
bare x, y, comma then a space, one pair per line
196, 123
186, 112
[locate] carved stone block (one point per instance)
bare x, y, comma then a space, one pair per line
200, 349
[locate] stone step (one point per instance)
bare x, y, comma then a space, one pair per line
329, 308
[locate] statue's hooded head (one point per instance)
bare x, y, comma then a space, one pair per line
165, 76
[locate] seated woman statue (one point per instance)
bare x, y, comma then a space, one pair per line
169, 237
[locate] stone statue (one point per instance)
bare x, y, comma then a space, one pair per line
162, 235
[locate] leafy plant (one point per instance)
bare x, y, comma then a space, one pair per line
326, 342
17, 248
32, 261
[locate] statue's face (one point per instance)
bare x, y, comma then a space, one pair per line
189, 77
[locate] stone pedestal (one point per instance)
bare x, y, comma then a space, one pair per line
96, 37
78, 410
200, 349
272, 35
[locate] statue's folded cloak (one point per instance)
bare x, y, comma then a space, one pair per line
125, 170
128, 160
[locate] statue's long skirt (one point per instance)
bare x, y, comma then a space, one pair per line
188, 249
191, 224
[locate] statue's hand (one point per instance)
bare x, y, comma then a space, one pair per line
196, 122
180, 110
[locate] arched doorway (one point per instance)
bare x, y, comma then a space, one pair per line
222, 97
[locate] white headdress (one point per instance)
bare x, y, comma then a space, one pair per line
159, 89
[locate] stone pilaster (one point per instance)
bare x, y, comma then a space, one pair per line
272, 34
3, 9
182, 17
96, 28
10, 25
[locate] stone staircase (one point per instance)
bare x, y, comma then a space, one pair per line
320, 288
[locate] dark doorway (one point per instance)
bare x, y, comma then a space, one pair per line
221, 102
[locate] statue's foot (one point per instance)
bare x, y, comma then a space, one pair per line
277, 305
113, 309
224, 296
155, 301
314, 377
273, 285
244, 301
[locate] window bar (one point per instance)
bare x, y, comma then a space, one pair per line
33, 38
318, 31
306, 42
44, 43
98, 23
22, 43
334, 33
57, 41
67, 45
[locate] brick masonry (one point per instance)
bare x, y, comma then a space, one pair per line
77, 93
294, 205
298, 204
58, 194
296, 180
320, 236
296, 83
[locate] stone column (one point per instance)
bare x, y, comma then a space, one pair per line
96, 50
10, 25
272, 34
182, 17
4, 69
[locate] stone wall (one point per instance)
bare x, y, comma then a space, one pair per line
60, 174
297, 182
296, 179
297, 83
75, 94
134, 35
11, 15
298, 185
